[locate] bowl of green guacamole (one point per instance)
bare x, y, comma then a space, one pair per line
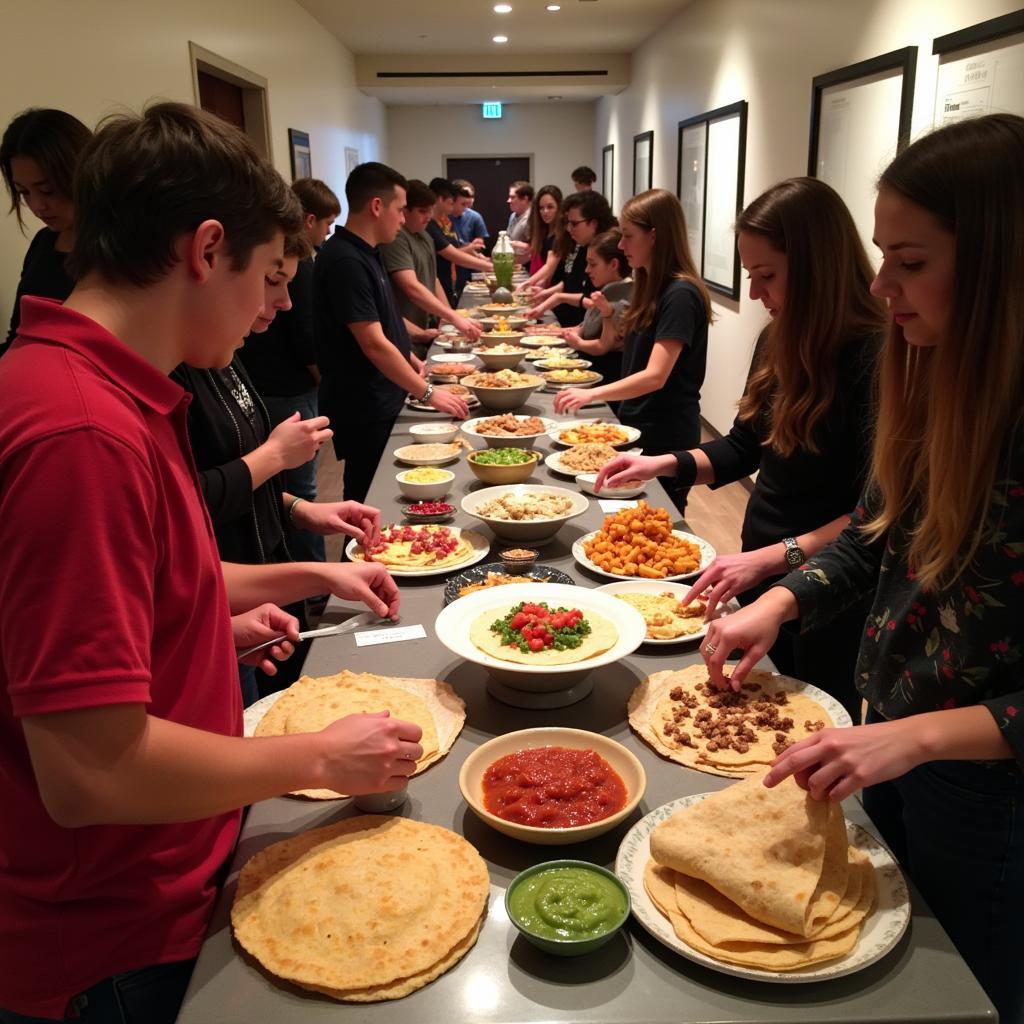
567, 907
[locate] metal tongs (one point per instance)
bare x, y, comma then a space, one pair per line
363, 619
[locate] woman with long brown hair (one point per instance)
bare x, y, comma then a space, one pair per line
545, 237
938, 544
804, 419
666, 329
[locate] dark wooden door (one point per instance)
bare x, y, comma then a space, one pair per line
221, 98
491, 177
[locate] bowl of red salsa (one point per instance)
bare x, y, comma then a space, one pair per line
552, 786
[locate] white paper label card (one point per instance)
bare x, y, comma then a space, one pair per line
389, 635
614, 505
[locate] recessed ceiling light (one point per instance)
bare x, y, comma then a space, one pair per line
501, 39
554, 7
502, 8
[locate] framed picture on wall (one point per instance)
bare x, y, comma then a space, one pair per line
981, 70
351, 160
643, 161
298, 147
860, 119
608, 174
712, 156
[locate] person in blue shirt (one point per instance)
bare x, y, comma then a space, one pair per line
468, 225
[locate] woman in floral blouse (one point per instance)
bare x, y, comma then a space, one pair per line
938, 544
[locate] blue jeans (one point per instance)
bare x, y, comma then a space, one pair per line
301, 481
958, 829
149, 995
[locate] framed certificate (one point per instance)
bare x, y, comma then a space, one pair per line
643, 161
608, 174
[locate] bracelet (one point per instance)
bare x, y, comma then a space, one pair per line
291, 509
427, 393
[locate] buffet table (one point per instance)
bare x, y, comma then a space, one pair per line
503, 978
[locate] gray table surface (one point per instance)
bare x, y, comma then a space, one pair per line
503, 978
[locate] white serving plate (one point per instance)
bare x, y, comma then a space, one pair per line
554, 385
586, 482
707, 556
469, 428
632, 433
453, 622
481, 545
882, 929
633, 586
554, 461
409, 460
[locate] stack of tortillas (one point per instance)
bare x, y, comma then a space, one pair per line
311, 704
369, 909
682, 716
761, 878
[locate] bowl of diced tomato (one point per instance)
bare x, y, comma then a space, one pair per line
552, 786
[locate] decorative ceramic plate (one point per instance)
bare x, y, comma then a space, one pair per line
479, 573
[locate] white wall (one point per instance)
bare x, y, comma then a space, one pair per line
559, 137
717, 52
91, 57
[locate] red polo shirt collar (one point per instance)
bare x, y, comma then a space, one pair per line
49, 321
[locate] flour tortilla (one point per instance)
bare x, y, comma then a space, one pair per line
399, 555
603, 636
650, 707
763, 956
367, 909
312, 703
765, 849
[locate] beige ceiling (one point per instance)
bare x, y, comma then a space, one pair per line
434, 30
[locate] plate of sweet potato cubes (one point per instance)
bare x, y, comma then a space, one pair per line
639, 542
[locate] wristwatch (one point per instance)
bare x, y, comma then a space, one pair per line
427, 394
794, 553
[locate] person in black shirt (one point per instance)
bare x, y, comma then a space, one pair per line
241, 458
362, 347
38, 154
666, 326
584, 215
804, 424
282, 360
450, 251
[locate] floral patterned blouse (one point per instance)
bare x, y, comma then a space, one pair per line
926, 650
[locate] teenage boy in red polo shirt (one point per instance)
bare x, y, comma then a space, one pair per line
122, 765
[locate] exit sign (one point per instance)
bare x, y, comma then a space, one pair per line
492, 110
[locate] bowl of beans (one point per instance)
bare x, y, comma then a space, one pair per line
503, 465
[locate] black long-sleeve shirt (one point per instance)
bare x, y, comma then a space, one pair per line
797, 493
43, 274
277, 359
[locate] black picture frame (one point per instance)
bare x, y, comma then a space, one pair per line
984, 32
638, 140
699, 127
608, 173
904, 60
299, 154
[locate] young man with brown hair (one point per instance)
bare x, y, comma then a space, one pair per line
282, 360
520, 199
122, 762
363, 347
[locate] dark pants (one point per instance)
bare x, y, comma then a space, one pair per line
958, 828
825, 657
149, 995
361, 447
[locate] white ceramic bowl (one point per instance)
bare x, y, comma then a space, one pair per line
504, 399
623, 762
470, 429
499, 360
524, 531
434, 433
453, 623
587, 481
425, 492
490, 338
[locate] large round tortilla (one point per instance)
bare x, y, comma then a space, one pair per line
650, 710
312, 703
603, 636
399, 555
370, 908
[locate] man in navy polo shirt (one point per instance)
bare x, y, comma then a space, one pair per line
362, 346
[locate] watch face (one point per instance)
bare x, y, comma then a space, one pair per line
794, 557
